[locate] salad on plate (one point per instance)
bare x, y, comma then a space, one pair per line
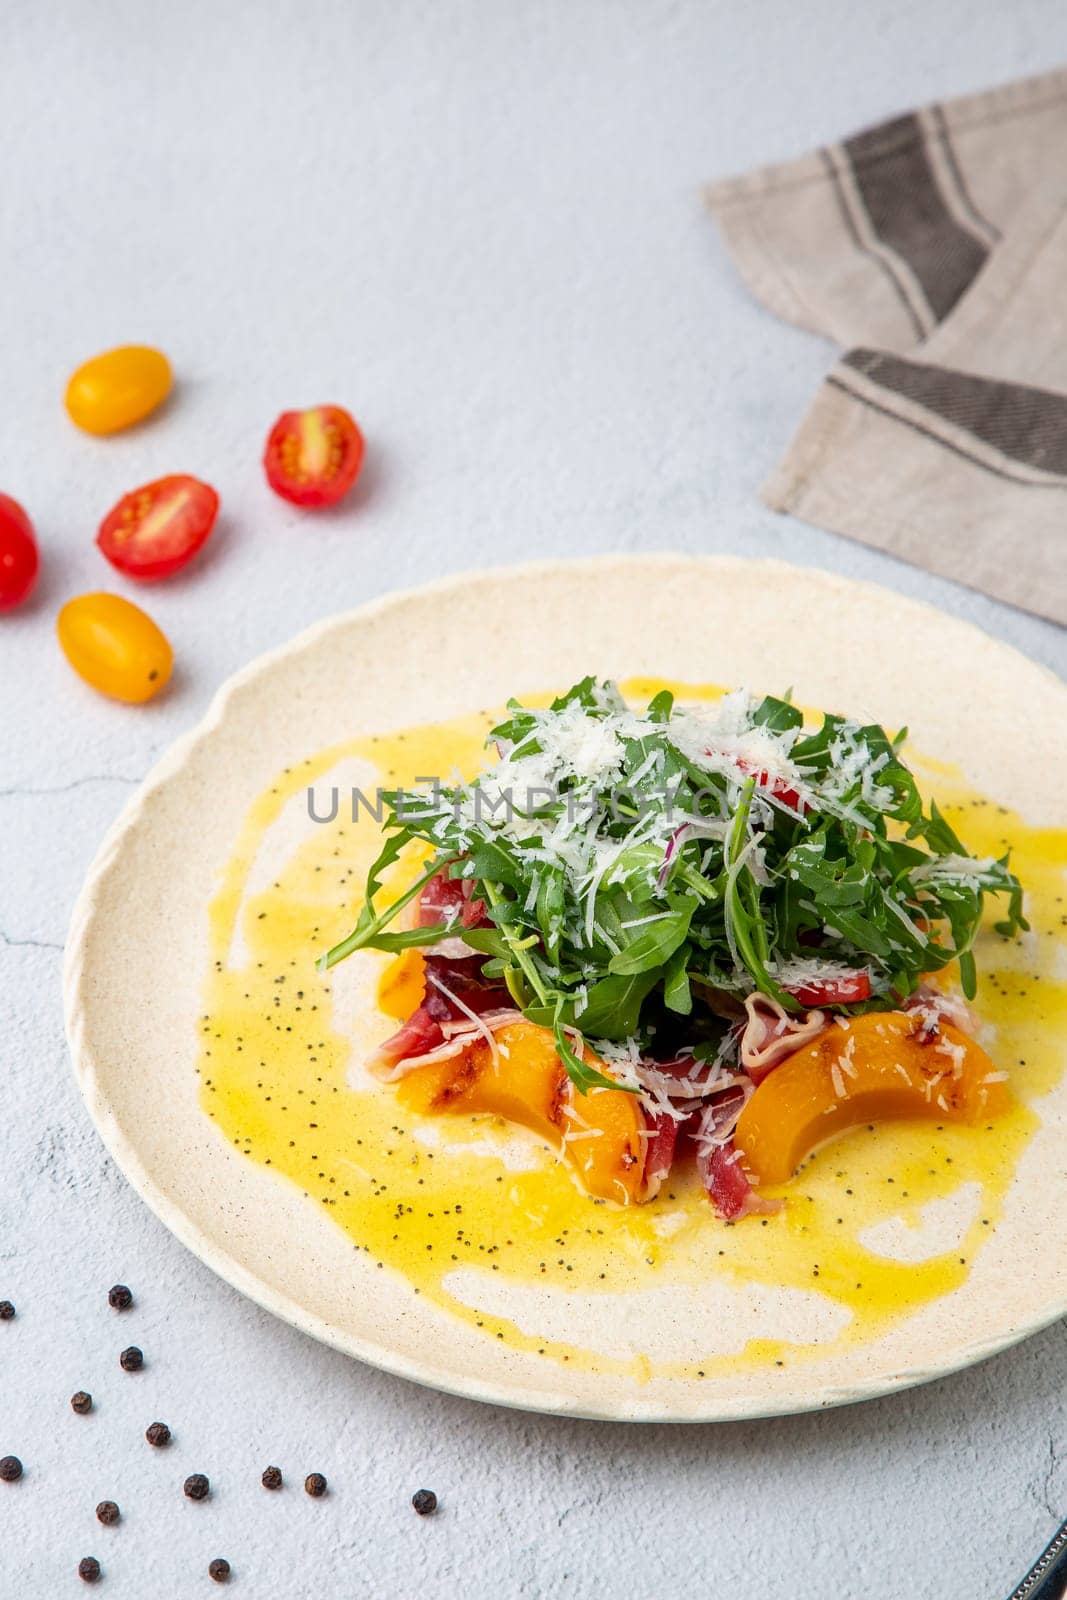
717, 934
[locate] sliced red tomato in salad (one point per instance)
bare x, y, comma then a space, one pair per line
313, 457
780, 788
18, 554
847, 990
157, 529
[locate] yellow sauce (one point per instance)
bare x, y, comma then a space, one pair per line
407, 1190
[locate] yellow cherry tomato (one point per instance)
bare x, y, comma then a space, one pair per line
115, 646
118, 388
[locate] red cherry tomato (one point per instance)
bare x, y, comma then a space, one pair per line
847, 990
313, 457
18, 554
155, 530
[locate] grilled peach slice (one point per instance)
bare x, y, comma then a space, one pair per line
883, 1065
524, 1081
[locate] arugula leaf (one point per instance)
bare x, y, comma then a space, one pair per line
369, 928
582, 1075
677, 993
777, 714
612, 1007
656, 942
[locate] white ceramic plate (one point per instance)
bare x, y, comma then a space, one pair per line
138, 944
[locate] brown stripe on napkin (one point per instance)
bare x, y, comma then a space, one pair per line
890, 474
934, 248
910, 215
927, 194
1020, 422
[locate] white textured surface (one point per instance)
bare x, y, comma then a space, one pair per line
478, 226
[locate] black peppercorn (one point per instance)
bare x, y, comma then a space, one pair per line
197, 1487
424, 1501
89, 1569
108, 1513
10, 1469
131, 1359
157, 1433
219, 1569
272, 1478
119, 1297
7, 1311
81, 1402
315, 1484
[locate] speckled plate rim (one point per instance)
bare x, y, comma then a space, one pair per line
124, 1149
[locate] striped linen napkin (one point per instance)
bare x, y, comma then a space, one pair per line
934, 248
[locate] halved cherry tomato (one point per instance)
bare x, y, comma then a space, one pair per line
115, 646
847, 990
313, 457
114, 390
155, 530
18, 554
